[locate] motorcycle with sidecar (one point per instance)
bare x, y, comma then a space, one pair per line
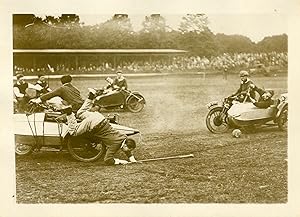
48, 129
231, 113
118, 98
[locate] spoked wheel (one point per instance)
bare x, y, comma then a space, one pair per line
85, 150
135, 104
23, 149
215, 122
283, 119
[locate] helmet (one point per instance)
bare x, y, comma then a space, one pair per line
18, 76
66, 79
244, 73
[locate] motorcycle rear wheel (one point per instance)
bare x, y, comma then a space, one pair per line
85, 151
214, 122
134, 105
283, 119
23, 149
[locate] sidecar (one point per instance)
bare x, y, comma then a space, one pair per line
247, 114
48, 129
132, 100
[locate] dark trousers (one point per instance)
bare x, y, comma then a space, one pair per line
111, 138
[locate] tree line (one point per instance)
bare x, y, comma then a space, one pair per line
193, 35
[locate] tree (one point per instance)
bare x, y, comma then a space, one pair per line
23, 19
154, 32
117, 32
154, 23
234, 43
277, 43
196, 23
195, 36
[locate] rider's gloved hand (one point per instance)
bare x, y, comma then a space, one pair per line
252, 86
132, 159
92, 93
118, 161
66, 110
37, 101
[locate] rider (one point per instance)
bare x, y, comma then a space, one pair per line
96, 124
245, 86
20, 93
42, 85
120, 81
68, 92
265, 98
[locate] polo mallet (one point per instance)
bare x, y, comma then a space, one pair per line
50, 68
166, 158
129, 92
247, 94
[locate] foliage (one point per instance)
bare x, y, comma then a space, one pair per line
193, 35
278, 43
196, 23
234, 43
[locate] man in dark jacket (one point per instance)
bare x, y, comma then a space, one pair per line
120, 81
68, 92
265, 98
96, 125
41, 85
245, 85
20, 89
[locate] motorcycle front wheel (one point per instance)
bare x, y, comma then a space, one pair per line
283, 119
134, 104
85, 150
214, 121
23, 149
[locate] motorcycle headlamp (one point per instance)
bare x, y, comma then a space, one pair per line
212, 104
282, 98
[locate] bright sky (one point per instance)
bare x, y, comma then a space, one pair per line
254, 26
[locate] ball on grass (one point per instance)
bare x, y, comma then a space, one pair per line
236, 133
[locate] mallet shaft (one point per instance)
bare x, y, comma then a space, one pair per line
167, 158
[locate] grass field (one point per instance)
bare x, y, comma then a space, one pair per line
250, 169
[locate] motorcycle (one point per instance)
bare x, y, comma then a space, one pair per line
231, 113
35, 130
118, 98
32, 93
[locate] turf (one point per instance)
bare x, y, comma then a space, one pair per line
250, 169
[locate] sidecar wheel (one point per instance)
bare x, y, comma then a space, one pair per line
23, 149
283, 119
214, 122
85, 151
134, 105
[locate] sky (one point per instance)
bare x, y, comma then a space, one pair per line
254, 26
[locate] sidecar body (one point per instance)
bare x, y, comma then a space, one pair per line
47, 129
111, 99
244, 114
131, 100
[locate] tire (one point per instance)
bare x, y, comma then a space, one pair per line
23, 149
134, 105
282, 120
214, 123
85, 150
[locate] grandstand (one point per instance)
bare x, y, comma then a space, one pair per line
34, 61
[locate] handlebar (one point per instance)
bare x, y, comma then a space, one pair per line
35, 106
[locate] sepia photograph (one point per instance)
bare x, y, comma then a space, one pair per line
167, 109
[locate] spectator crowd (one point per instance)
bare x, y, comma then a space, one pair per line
226, 61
